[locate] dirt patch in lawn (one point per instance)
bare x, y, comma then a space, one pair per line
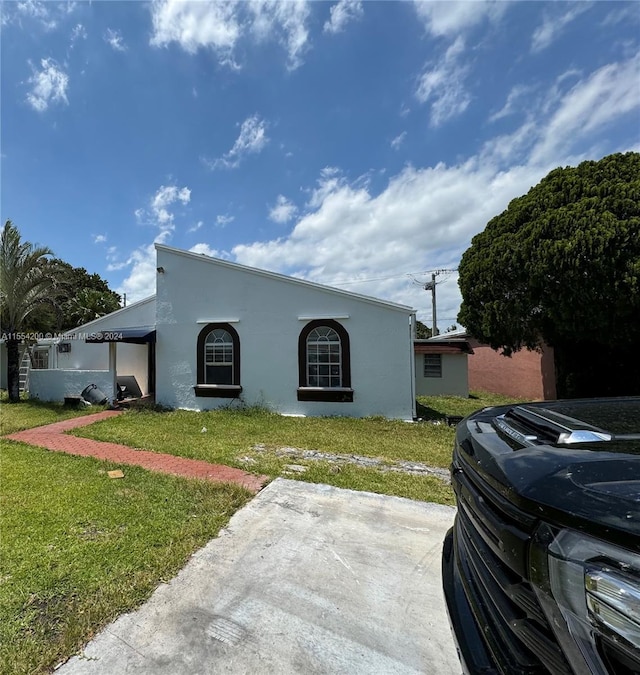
398, 466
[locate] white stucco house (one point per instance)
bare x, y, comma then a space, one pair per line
219, 334
118, 345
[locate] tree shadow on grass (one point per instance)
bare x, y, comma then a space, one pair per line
429, 414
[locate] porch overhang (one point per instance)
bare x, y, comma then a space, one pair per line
138, 335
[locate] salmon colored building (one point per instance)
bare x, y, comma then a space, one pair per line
525, 374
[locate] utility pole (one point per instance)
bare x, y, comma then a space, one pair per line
431, 286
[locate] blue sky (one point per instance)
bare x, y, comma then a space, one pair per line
357, 144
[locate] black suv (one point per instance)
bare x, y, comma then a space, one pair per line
541, 570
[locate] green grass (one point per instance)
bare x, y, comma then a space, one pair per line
228, 436
78, 548
438, 407
29, 413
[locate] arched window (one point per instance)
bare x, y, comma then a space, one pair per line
324, 362
324, 358
218, 357
218, 361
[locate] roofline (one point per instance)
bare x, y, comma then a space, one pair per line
139, 303
460, 334
283, 277
427, 345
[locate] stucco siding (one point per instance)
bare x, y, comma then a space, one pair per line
454, 380
131, 359
266, 313
54, 385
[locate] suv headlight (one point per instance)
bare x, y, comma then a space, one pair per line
596, 589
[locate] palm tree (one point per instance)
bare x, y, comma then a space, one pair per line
25, 284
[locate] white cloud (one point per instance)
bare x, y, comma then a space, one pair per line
449, 19
590, 106
78, 32
195, 25
341, 14
443, 84
114, 39
409, 226
223, 220
99, 239
159, 214
398, 140
166, 196
330, 179
252, 139
113, 258
46, 15
553, 25
286, 21
425, 217
141, 280
37, 10
48, 86
219, 26
622, 12
283, 211
512, 103
205, 249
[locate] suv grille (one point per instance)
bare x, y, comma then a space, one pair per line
492, 551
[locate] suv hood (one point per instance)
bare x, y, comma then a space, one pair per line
533, 456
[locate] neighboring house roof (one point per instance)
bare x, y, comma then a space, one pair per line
452, 335
284, 278
439, 345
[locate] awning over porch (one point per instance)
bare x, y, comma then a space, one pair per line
138, 335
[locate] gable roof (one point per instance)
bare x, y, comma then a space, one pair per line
284, 278
118, 312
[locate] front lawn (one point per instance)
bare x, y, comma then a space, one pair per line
30, 413
78, 548
254, 439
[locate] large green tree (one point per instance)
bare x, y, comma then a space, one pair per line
423, 331
26, 284
562, 265
81, 297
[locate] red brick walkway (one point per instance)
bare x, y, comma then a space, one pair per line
53, 437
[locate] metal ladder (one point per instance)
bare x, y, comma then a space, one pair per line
25, 368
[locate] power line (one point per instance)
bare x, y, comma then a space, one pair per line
391, 276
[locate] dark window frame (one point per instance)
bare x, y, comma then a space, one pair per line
217, 390
341, 394
40, 358
433, 369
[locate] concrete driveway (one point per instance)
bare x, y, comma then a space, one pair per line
305, 579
